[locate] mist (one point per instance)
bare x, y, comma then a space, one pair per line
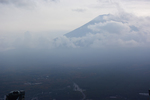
107, 39
108, 57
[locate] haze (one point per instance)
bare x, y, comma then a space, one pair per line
75, 33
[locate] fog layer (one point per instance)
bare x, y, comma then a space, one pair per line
107, 39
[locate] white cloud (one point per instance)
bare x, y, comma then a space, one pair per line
37, 16
110, 27
116, 31
125, 30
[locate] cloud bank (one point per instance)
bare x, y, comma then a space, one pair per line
115, 31
121, 38
124, 30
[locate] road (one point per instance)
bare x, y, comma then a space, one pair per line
77, 88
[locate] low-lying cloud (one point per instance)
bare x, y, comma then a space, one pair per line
114, 31
112, 39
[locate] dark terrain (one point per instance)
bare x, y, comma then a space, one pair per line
103, 82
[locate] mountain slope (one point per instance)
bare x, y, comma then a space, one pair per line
83, 30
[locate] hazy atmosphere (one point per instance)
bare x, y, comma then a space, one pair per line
102, 36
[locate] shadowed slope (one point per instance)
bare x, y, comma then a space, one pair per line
83, 30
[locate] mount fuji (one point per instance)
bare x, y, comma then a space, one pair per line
83, 30
106, 23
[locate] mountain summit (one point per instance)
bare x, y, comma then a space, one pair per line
83, 30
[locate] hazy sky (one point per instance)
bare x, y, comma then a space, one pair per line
19, 16
35, 23
120, 33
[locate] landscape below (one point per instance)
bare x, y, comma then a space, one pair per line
102, 82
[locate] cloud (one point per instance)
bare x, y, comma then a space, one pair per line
79, 10
4, 1
17, 3
24, 3
112, 39
110, 27
52, 0
109, 38
111, 31
125, 30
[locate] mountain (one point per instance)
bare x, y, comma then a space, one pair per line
83, 30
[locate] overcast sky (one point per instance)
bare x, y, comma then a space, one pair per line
122, 31
19, 16
35, 23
